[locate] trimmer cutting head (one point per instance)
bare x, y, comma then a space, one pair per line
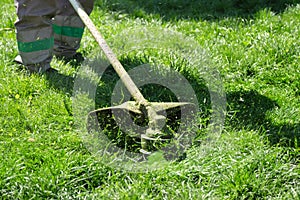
131, 122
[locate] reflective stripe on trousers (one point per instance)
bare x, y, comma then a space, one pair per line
47, 27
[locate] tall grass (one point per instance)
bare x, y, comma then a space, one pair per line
255, 47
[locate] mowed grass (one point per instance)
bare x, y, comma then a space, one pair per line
256, 48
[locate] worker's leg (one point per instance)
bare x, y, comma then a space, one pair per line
34, 33
68, 28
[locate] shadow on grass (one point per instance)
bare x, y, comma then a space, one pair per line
60, 81
152, 92
249, 107
63, 83
250, 110
194, 9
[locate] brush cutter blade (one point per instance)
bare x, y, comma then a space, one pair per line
132, 120
128, 124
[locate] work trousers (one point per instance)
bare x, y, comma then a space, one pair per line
46, 28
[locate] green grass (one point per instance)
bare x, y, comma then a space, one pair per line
253, 44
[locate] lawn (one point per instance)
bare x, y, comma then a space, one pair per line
242, 60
